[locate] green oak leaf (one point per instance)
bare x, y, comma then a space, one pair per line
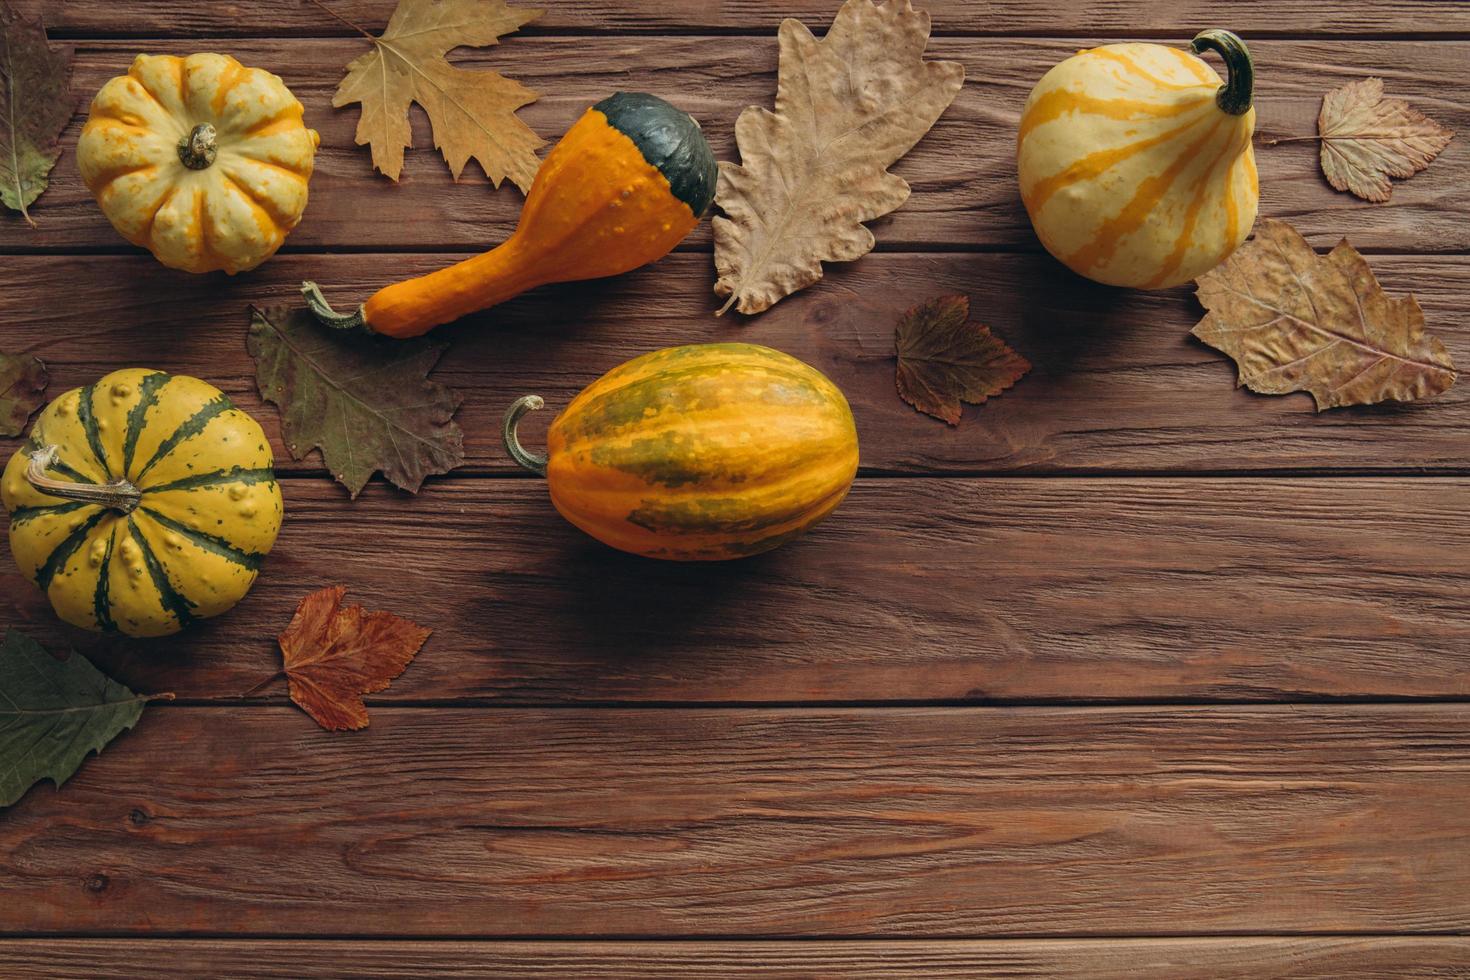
35, 106
53, 714
22, 391
366, 402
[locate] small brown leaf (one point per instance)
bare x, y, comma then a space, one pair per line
334, 656
473, 112
810, 173
1294, 320
1366, 139
35, 84
944, 359
22, 391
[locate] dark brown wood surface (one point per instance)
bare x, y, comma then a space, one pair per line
1131, 674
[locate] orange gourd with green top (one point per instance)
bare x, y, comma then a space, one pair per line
698, 453
626, 183
1135, 160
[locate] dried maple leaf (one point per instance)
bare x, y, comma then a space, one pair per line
335, 655
1366, 139
35, 90
54, 713
944, 359
847, 107
473, 113
22, 391
1294, 320
365, 402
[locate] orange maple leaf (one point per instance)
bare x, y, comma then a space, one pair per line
335, 655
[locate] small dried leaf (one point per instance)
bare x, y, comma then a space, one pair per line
473, 112
54, 713
944, 359
1366, 139
847, 108
335, 655
365, 402
1294, 320
35, 89
22, 391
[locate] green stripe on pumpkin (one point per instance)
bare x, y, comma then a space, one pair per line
24, 515
63, 552
89, 426
187, 430
102, 598
209, 542
172, 600
219, 478
148, 397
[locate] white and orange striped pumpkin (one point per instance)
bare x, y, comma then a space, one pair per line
1135, 161
200, 160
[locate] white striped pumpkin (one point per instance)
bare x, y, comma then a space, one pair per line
1135, 161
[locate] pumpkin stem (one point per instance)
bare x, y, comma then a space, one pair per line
323, 311
535, 462
198, 150
1234, 97
119, 495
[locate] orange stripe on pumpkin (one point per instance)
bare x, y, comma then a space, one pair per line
1194, 66
1059, 102
1202, 185
1135, 68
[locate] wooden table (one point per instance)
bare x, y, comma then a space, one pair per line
1132, 673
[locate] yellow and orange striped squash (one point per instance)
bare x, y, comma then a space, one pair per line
698, 453
200, 160
1135, 161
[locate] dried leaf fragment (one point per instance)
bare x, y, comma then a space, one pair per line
365, 402
847, 108
35, 84
54, 713
473, 113
335, 655
1366, 139
944, 359
22, 391
1294, 320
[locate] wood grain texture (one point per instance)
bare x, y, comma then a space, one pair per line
962, 173
615, 823
168, 18
914, 589
1235, 958
1118, 383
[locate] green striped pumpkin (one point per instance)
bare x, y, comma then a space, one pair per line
142, 503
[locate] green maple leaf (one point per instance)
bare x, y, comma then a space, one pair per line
53, 714
365, 402
35, 106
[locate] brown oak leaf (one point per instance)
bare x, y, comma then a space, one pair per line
22, 391
1366, 139
35, 89
335, 655
473, 113
944, 359
1294, 320
810, 173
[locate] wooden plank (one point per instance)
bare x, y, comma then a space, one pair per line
162, 18
1118, 384
959, 823
963, 173
1236, 958
914, 590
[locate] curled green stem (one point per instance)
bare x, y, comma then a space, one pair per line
329, 317
535, 462
1234, 97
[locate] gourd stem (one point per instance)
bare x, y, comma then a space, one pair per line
329, 317
535, 462
198, 150
119, 495
1234, 97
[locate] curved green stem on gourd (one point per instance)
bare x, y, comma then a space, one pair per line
535, 462
119, 495
323, 311
198, 150
1235, 95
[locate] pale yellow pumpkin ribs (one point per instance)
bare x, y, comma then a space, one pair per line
200, 160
